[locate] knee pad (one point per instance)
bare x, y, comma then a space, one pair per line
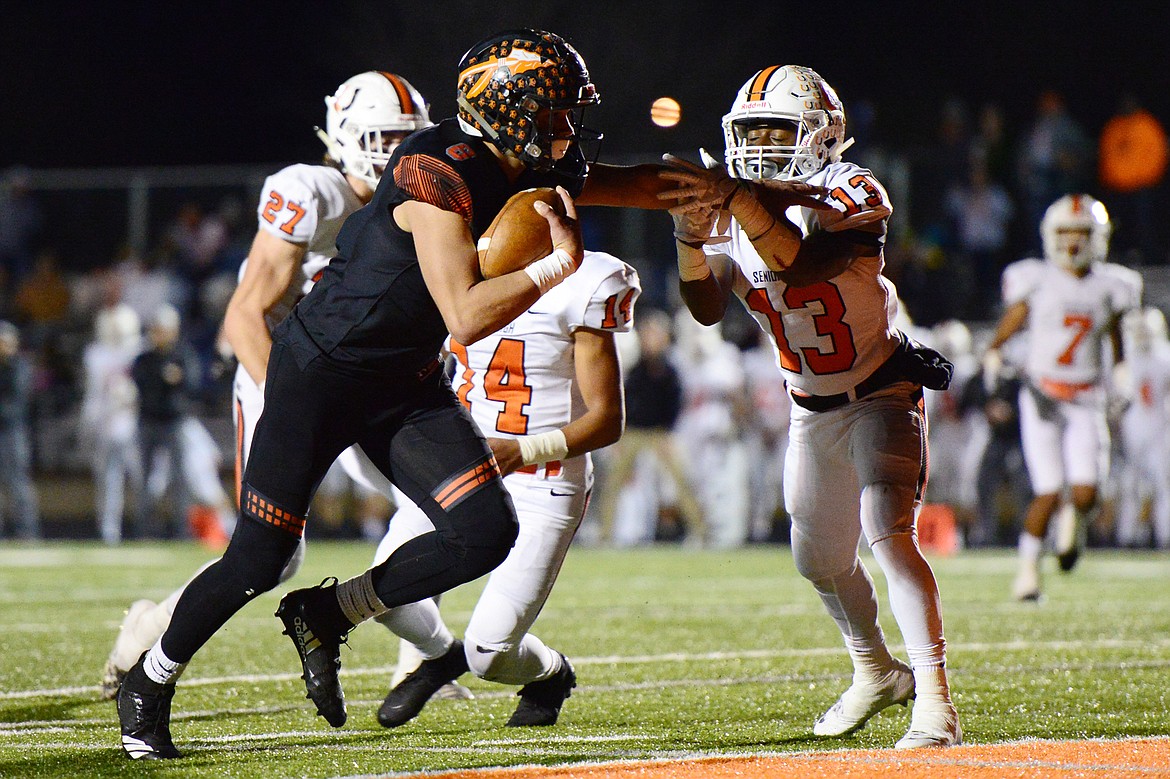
821, 560
486, 665
486, 528
480, 560
259, 554
887, 509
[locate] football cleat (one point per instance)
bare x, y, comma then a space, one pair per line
934, 723
320, 654
864, 699
409, 659
406, 699
453, 691
128, 647
540, 702
1026, 587
144, 713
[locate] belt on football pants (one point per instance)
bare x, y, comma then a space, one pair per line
886, 374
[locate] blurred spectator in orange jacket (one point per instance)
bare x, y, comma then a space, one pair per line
42, 299
1132, 163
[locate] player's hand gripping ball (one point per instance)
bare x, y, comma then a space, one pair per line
518, 235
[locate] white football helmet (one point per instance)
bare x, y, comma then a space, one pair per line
1075, 231
785, 94
363, 108
118, 327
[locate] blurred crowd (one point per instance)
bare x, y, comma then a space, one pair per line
114, 370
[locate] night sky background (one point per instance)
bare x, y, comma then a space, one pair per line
160, 83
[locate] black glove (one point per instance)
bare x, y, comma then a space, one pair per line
923, 365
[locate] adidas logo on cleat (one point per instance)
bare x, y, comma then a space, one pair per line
304, 636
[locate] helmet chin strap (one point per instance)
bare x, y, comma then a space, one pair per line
841, 147
331, 145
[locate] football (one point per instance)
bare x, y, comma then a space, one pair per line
518, 235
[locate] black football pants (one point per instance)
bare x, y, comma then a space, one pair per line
413, 429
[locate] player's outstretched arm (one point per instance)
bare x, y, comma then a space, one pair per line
272, 266
632, 186
760, 211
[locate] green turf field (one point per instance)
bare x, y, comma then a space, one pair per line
677, 653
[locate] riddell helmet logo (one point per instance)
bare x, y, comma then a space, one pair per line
517, 61
753, 105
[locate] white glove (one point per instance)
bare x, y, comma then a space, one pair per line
694, 227
699, 187
707, 160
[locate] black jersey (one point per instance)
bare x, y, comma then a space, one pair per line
371, 311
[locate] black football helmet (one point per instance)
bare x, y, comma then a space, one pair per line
507, 79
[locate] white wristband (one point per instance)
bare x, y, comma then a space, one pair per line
552, 270
692, 265
544, 447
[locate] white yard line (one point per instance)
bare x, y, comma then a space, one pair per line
669, 657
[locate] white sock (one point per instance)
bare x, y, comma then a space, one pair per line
930, 683
358, 599
1030, 546
870, 660
160, 668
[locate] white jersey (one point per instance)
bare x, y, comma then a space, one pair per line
305, 205
110, 406
521, 379
1146, 417
1069, 319
828, 336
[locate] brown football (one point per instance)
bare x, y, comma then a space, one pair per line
518, 235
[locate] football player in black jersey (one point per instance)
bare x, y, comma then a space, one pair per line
356, 362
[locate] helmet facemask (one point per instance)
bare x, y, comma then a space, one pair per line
1072, 247
791, 97
1075, 231
367, 118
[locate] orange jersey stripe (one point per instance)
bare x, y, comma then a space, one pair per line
760, 83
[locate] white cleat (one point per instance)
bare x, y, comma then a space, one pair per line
128, 647
933, 724
864, 699
1026, 587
